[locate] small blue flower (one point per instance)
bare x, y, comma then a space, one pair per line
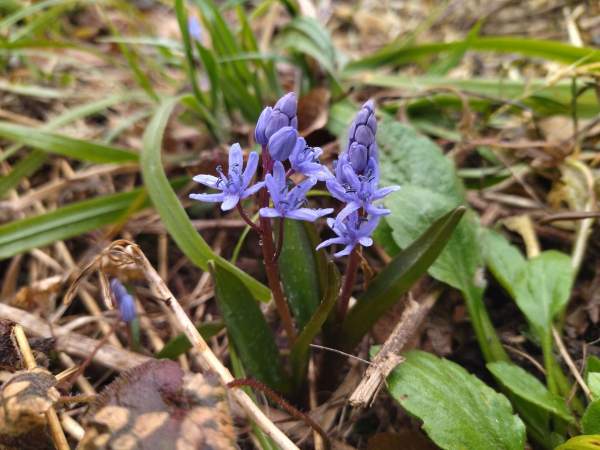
125, 302
305, 160
351, 232
195, 29
282, 143
289, 204
236, 186
261, 126
283, 115
361, 144
360, 191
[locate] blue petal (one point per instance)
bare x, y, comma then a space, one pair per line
370, 208
251, 166
236, 159
365, 241
303, 214
208, 180
208, 197
269, 212
380, 193
274, 189
344, 252
349, 209
252, 189
338, 192
230, 201
328, 242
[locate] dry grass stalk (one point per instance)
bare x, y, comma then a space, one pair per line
132, 253
58, 435
571, 364
389, 354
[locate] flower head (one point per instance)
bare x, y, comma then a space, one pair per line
289, 203
125, 301
351, 232
360, 191
234, 187
283, 115
361, 144
282, 143
261, 126
305, 160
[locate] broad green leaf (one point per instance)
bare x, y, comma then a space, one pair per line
66, 222
66, 146
300, 350
528, 387
169, 207
24, 168
247, 325
398, 277
593, 381
591, 418
581, 443
298, 271
542, 288
181, 344
504, 260
457, 409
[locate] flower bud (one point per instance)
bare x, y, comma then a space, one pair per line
276, 122
374, 152
339, 168
287, 105
282, 143
364, 135
261, 126
125, 302
359, 156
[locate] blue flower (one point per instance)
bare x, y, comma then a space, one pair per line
283, 115
360, 191
195, 29
351, 232
125, 302
289, 204
236, 186
361, 144
282, 143
261, 126
305, 160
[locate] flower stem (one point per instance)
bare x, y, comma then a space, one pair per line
247, 219
289, 173
279, 241
349, 278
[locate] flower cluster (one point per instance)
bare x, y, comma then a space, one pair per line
356, 183
356, 179
124, 301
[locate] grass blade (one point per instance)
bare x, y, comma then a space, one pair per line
25, 168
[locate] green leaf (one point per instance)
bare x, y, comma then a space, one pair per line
25, 168
457, 409
542, 288
529, 388
581, 443
455, 56
66, 146
181, 344
398, 277
593, 381
249, 329
591, 418
66, 222
298, 271
299, 352
169, 207
504, 260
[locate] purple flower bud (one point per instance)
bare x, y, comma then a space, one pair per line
282, 143
339, 168
364, 135
369, 105
294, 122
359, 156
125, 301
287, 105
277, 120
261, 126
372, 123
362, 117
374, 152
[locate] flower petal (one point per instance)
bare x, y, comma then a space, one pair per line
236, 159
345, 252
273, 188
351, 177
350, 208
372, 210
370, 226
208, 180
365, 241
252, 189
230, 201
279, 174
380, 193
269, 212
339, 192
251, 166
208, 197
328, 242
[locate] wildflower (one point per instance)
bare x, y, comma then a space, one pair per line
361, 144
195, 29
125, 301
282, 143
351, 232
261, 126
360, 191
338, 167
289, 204
283, 115
236, 186
305, 160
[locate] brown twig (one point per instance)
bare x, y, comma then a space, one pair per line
388, 356
569, 216
571, 364
58, 435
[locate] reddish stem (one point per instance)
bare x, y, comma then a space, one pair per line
289, 408
349, 278
289, 173
247, 219
279, 241
91, 356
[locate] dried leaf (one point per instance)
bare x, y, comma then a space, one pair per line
9, 357
313, 109
37, 294
169, 414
